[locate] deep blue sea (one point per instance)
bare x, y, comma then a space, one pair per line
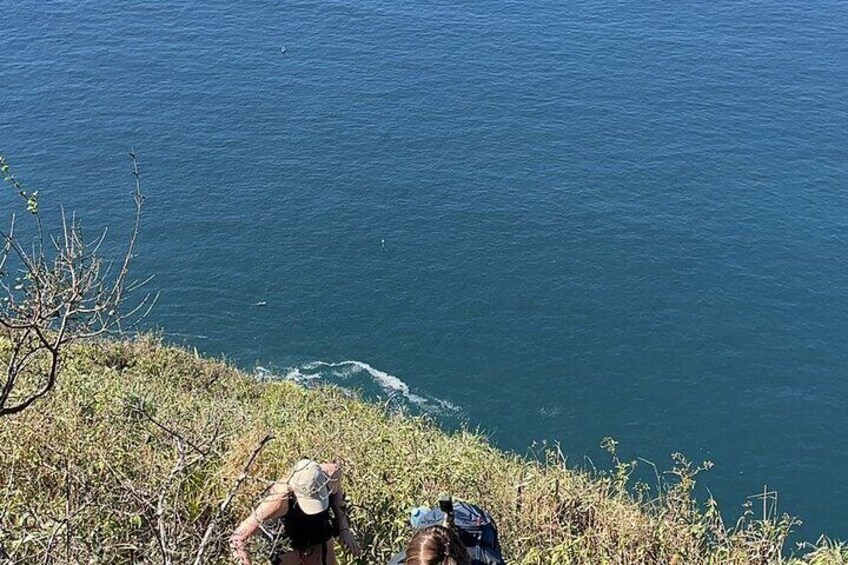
554, 220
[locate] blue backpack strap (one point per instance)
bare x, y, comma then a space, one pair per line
477, 530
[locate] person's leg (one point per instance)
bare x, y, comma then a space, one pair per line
315, 556
331, 553
289, 558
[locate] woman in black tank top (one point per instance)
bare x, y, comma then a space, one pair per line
305, 511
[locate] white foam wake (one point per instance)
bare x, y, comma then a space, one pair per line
343, 372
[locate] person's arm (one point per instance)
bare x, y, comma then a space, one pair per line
275, 504
334, 472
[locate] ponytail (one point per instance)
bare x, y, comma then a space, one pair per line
436, 545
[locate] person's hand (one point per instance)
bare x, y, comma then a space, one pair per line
349, 542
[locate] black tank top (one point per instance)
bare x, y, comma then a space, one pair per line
303, 531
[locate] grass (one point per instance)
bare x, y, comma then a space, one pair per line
129, 459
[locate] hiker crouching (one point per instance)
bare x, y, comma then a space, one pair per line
300, 516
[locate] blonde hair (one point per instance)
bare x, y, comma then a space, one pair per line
436, 545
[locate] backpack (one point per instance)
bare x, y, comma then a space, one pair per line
476, 529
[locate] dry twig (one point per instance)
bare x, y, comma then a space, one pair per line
56, 293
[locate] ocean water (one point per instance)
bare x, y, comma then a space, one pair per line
554, 220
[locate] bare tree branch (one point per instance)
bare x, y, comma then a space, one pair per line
50, 300
228, 500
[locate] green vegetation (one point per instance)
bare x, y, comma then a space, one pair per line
130, 457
